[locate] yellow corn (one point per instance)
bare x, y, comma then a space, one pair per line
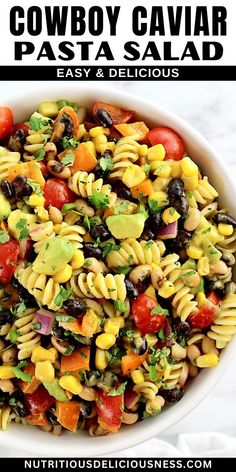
160, 197
112, 326
71, 383
201, 299
176, 170
162, 169
189, 167
57, 228
133, 176
190, 183
101, 359
121, 321
151, 292
40, 354
6, 372
98, 130
81, 132
194, 252
77, 260
36, 200
151, 339
203, 266
137, 377
167, 289
143, 150
44, 371
156, 153
49, 109
105, 340
99, 141
207, 360
42, 214
63, 275
225, 230
170, 215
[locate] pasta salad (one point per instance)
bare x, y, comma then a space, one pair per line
115, 269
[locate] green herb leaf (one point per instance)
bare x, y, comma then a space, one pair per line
35, 186
14, 402
114, 392
68, 143
69, 350
99, 200
87, 263
148, 245
116, 354
4, 237
21, 223
106, 163
13, 336
146, 168
36, 326
62, 296
24, 234
153, 373
67, 207
123, 270
109, 247
64, 318
37, 123
154, 207
18, 309
127, 332
158, 310
82, 354
187, 274
67, 103
68, 159
120, 306
39, 154
207, 230
143, 211
20, 374
190, 194
87, 222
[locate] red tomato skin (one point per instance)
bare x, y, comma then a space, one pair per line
172, 142
57, 193
110, 408
141, 311
39, 401
43, 169
6, 121
204, 317
9, 253
22, 126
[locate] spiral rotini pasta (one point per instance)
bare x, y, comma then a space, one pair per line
7, 159
40, 233
27, 339
133, 252
37, 138
126, 152
224, 326
111, 287
203, 194
84, 184
72, 233
6, 417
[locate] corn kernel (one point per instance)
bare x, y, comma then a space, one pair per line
151, 339
225, 230
160, 184
189, 167
194, 252
133, 176
98, 130
81, 132
201, 299
112, 326
57, 228
121, 321
156, 153
6, 372
170, 215
151, 292
101, 359
77, 260
176, 170
160, 197
40, 354
36, 200
137, 376
101, 139
71, 383
167, 289
190, 183
63, 275
42, 214
203, 266
207, 360
49, 109
143, 150
44, 371
105, 340
162, 170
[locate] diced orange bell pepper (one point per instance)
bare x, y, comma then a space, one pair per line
213, 298
29, 387
145, 189
86, 328
27, 169
85, 160
108, 212
67, 414
38, 420
131, 361
117, 114
77, 360
107, 427
138, 130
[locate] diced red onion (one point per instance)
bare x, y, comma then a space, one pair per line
168, 231
130, 398
26, 247
45, 319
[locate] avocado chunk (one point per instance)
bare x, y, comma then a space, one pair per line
53, 256
5, 207
211, 252
55, 390
126, 226
190, 264
18, 220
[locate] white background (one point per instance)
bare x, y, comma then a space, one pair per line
209, 107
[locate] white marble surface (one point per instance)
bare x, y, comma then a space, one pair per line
209, 107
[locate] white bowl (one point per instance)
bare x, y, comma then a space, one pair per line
33, 440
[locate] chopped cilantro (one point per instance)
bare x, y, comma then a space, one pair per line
190, 194
127, 332
161, 335
146, 168
87, 222
36, 326
67, 207
67, 103
153, 373
21, 223
140, 196
130, 259
207, 230
68, 143
35, 186
143, 211
158, 310
116, 354
87, 263
106, 163
123, 270
110, 290
4, 237
64, 318
154, 207
120, 306
62, 295
69, 350
82, 354
22, 375
148, 245
13, 335
18, 309
37, 123
39, 154
187, 274
99, 200
213, 251
68, 159
109, 247
114, 392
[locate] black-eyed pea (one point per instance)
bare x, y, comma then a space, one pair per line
50, 150
184, 374
7, 386
82, 207
139, 273
55, 215
219, 268
192, 370
192, 353
193, 219
58, 169
129, 418
88, 394
209, 346
9, 356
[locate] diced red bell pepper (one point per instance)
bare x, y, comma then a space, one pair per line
9, 253
39, 401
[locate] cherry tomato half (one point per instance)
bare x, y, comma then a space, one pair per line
6, 121
9, 253
110, 408
204, 317
144, 320
172, 142
39, 401
57, 193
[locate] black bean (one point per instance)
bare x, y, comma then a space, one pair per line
51, 417
58, 332
74, 308
93, 377
142, 285
180, 204
23, 294
17, 141
154, 222
224, 219
105, 171
131, 290
21, 188
91, 251
123, 191
101, 232
176, 188
140, 345
5, 317
16, 401
181, 327
147, 234
172, 396
223, 291
85, 408
103, 118
181, 240
7, 189
4, 398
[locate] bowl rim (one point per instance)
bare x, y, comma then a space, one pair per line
134, 435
